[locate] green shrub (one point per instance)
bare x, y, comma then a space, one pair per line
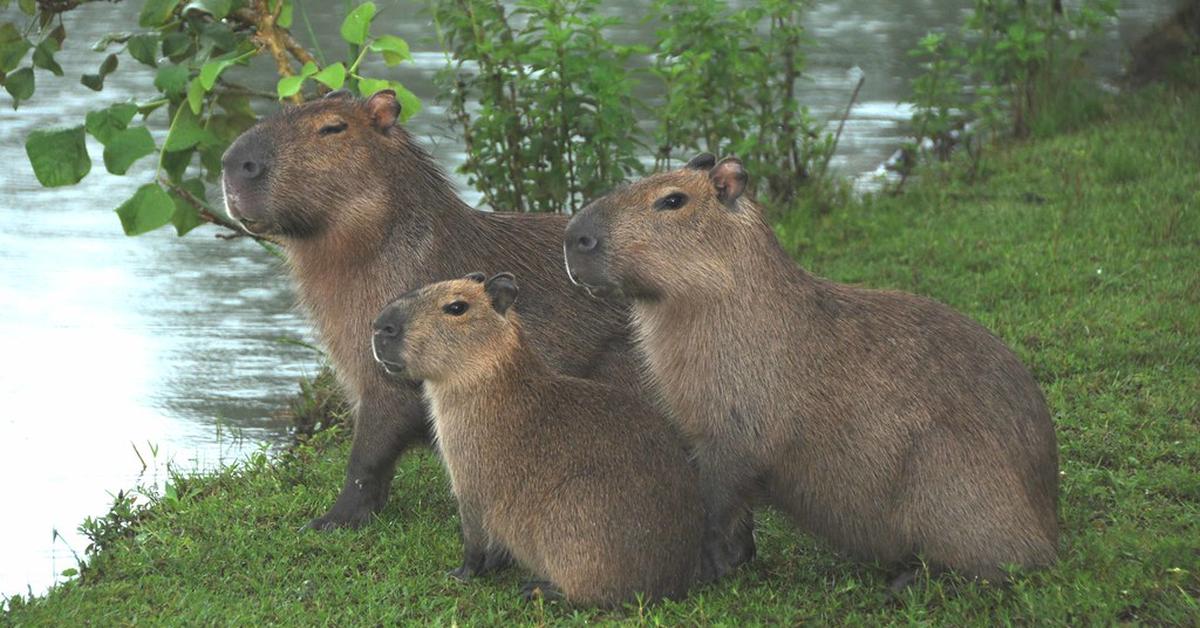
542, 99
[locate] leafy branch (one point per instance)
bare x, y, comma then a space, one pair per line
190, 45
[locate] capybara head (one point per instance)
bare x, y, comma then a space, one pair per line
447, 329
299, 172
659, 234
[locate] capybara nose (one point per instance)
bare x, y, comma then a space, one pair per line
390, 324
581, 237
585, 244
246, 159
251, 169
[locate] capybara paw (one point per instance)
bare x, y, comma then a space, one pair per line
543, 589
337, 518
463, 573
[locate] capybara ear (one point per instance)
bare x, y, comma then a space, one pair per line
384, 108
703, 161
502, 288
476, 276
729, 178
338, 94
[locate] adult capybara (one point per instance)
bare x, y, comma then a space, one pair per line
582, 483
885, 422
364, 214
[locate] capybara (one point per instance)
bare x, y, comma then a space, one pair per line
365, 214
584, 484
885, 422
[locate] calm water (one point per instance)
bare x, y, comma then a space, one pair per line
115, 350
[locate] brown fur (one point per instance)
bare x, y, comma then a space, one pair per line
582, 483
884, 422
365, 214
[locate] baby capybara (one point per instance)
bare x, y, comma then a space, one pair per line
582, 483
885, 422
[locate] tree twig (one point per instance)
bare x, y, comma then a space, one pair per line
207, 214
841, 125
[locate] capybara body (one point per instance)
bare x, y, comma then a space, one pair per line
885, 422
584, 484
364, 214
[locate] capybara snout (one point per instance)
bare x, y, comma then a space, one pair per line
387, 336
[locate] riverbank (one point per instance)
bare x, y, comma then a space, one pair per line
1081, 251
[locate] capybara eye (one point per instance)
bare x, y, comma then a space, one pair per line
458, 308
336, 127
674, 200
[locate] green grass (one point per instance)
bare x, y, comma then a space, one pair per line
1082, 251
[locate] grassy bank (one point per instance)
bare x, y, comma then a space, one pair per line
1082, 251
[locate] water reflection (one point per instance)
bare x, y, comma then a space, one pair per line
110, 343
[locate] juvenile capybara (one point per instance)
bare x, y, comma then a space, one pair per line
885, 422
582, 483
364, 214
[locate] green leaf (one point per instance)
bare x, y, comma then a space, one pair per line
214, 68
94, 82
43, 56
186, 131
176, 164
125, 147
177, 46
186, 217
358, 23
156, 12
285, 16
59, 34
149, 208
368, 86
13, 47
333, 76
394, 49
409, 103
289, 85
20, 85
171, 79
216, 8
59, 157
144, 48
28, 7
103, 124
109, 65
195, 95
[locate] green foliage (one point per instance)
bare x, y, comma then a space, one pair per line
194, 47
554, 125
729, 80
1117, 353
1014, 68
58, 157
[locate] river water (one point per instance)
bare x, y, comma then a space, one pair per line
119, 356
